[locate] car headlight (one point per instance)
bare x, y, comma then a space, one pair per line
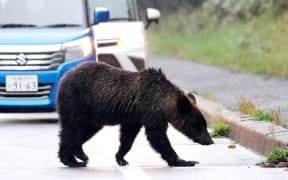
78, 49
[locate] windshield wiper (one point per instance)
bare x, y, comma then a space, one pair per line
63, 25
14, 25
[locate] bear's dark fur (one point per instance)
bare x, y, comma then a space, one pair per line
94, 94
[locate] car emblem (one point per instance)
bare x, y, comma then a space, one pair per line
21, 59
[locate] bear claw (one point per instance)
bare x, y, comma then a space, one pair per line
82, 157
73, 163
183, 163
76, 164
122, 162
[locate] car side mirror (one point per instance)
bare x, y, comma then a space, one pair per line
100, 14
152, 15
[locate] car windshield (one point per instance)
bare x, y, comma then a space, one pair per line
42, 13
119, 9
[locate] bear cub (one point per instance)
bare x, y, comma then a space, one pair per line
93, 95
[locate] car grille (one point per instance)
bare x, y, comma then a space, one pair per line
43, 92
31, 60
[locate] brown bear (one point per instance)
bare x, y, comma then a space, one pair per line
95, 94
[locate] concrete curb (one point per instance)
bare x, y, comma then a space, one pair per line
261, 137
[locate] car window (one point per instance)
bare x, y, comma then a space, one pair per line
39, 13
119, 9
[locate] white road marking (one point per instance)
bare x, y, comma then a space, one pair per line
133, 172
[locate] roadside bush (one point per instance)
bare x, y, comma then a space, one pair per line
246, 35
226, 11
282, 5
262, 115
214, 12
168, 6
278, 155
219, 127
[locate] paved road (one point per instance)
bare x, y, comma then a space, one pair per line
29, 152
28, 149
226, 86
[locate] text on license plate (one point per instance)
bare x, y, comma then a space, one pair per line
16, 83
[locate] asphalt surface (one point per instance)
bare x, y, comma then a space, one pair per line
227, 87
29, 152
28, 149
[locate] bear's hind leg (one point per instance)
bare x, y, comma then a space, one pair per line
84, 136
68, 147
128, 134
160, 142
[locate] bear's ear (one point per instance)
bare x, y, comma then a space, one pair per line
183, 105
190, 95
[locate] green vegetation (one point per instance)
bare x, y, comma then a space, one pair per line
219, 127
208, 96
246, 40
277, 156
277, 120
247, 107
263, 115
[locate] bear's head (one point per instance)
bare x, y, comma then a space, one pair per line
190, 121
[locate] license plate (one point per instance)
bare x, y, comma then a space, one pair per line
21, 83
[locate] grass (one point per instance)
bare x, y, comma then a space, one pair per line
219, 127
276, 118
277, 156
259, 46
247, 107
208, 96
262, 115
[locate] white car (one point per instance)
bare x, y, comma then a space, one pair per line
121, 41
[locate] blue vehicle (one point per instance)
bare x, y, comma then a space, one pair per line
39, 41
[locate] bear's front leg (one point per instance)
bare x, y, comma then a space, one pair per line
128, 134
160, 142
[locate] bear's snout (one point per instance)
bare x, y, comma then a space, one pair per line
208, 142
204, 139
